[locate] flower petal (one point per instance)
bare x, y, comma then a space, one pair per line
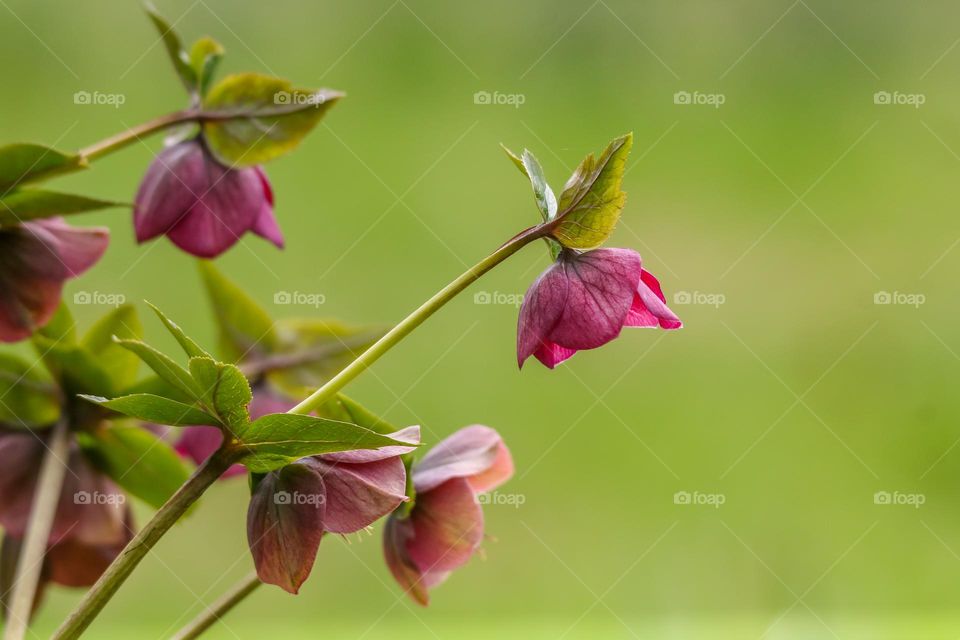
542, 308
447, 527
551, 354
357, 495
200, 442
409, 434
397, 532
476, 453
266, 225
649, 307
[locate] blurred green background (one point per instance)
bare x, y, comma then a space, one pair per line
794, 203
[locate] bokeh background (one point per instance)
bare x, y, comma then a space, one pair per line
791, 395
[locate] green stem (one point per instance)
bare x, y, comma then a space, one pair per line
121, 140
137, 549
212, 614
43, 511
415, 319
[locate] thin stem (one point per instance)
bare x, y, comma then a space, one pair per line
121, 140
415, 319
137, 549
212, 614
42, 514
256, 368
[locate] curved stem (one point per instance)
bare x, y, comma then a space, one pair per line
415, 319
220, 608
137, 549
121, 140
42, 513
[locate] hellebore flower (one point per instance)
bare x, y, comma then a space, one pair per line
35, 259
445, 526
92, 522
293, 507
201, 205
584, 300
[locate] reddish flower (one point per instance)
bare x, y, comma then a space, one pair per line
36, 258
445, 526
584, 300
201, 205
293, 507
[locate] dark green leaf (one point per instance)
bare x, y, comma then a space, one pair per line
156, 409
164, 366
261, 117
123, 322
155, 385
278, 439
171, 41
24, 163
592, 199
138, 461
191, 348
32, 204
27, 398
246, 331
225, 391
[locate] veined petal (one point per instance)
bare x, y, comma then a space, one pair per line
447, 527
649, 307
476, 453
357, 495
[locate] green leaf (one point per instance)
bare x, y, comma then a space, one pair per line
164, 366
123, 322
24, 163
246, 330
27, 397
191, 348
260, 117
78, 370
155, 385
140, 462
225, 391
61, 327
156, 409
32, 204
542, 193
278, 439
516, 160
171, 41
205, 55
344, 409
592, 199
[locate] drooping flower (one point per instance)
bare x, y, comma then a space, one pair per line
293, 507
92, 522
584, 300
203, 206
445, 526
36, 258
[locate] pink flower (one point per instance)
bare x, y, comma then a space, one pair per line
584, 300
445, 526
293, 507
36, 258
201, 205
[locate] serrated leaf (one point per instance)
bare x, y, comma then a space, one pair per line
174, 47
24, 163
205, 55
24, 205
171, 372
138, 461
260, 117
156, 409
276, 440
225, 391
246, 330
27, 397
592, 199
191, 348
123, 322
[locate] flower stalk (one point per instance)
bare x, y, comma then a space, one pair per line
212, 614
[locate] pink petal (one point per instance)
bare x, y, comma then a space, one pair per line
447, 527
266, 225
476, 453
200, 442
649, 307
409, 434
396, 534
73, 563
551, 354
357, 495
77, 249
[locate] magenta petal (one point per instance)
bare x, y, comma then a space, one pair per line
169, 190
396, 534
266, 225
476, 453
447, 527
357, 495
551, 354
200, 442
649, 307
285, 524
542, 307
77, 249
